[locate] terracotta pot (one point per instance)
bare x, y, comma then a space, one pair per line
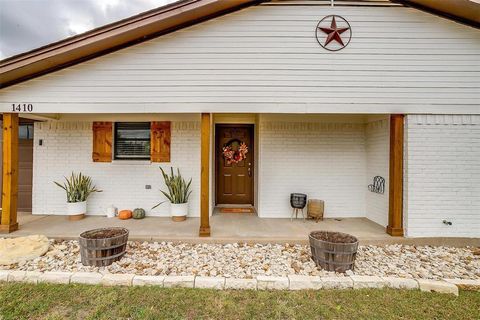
179, 211
76, 210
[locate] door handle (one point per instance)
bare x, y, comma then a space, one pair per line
249, 172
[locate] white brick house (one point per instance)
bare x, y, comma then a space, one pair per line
321, 122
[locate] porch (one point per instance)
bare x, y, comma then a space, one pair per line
226, 228
230, 228
344, 159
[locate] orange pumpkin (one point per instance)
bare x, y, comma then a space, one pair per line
125, 214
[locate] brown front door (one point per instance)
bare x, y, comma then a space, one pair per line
234, 178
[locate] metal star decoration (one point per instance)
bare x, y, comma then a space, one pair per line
334, 33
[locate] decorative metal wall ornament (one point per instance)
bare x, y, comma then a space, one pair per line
333, 33
378, 185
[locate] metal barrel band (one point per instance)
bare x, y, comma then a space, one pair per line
337, 253
106, 258
334, 262
104, 248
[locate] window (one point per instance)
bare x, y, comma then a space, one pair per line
132, 141
25, 131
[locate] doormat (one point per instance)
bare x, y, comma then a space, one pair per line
237, 210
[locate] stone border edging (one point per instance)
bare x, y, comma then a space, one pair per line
291, 282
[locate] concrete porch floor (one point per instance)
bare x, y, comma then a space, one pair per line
225, 228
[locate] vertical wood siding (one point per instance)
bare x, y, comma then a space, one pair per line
102, 141
160, 141
266, 59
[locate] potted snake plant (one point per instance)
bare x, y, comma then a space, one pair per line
177, 193
77, 187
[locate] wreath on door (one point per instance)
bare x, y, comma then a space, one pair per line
235, 151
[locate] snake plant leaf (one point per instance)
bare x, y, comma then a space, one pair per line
178, 190
78, 187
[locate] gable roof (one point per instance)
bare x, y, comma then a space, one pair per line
160, 21
112, 37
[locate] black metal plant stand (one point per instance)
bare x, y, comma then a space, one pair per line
298, 201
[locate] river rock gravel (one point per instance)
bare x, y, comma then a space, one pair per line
249, 260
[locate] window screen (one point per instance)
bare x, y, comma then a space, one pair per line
132, 140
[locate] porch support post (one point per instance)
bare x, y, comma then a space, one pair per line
10, 173
395, 212
204, 176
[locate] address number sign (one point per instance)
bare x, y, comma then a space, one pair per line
22, 107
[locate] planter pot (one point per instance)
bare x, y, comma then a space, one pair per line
102, 247
179, 211
333, 251
76, 210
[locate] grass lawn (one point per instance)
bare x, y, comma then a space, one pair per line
48, 301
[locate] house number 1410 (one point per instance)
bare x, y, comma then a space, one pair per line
19, 107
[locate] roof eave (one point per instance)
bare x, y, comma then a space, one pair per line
112, 37
464, 11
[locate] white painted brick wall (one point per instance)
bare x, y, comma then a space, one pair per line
334, 162
378, 158
67, 146
442, 175
324, 160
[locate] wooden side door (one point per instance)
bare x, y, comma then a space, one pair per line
234, 181
25, 167
25, 174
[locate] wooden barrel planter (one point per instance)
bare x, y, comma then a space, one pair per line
333, 251
102, 247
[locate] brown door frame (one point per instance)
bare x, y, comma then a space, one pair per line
251, 126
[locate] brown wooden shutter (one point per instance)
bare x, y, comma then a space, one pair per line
102, 142
160, 141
